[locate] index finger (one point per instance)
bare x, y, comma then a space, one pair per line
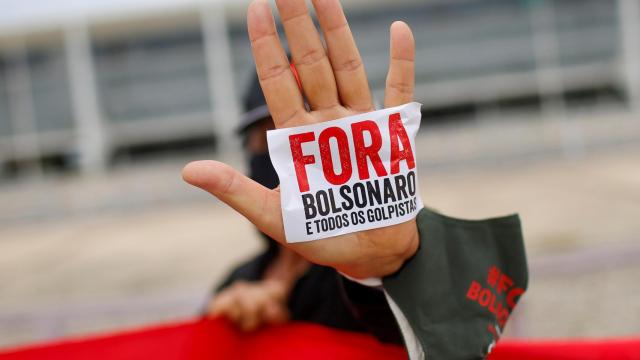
274, 72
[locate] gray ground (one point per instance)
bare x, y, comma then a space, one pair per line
136, 246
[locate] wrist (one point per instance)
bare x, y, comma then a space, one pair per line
408, 248
280, 288
405, 254
286, 268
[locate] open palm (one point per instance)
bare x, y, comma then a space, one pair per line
334, 83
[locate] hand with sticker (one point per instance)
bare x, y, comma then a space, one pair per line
334, 83
432, 268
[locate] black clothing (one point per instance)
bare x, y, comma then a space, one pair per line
325, 297
261, 170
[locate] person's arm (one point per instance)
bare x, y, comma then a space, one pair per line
453, 297
334, 83
459, 289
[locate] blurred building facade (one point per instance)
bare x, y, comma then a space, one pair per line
80, 80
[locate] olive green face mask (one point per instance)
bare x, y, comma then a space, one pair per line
459, 289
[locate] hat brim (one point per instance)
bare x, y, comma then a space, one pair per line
251, 117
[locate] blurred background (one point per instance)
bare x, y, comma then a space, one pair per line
529, 107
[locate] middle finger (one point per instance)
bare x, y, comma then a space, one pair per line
309, 55
351, 79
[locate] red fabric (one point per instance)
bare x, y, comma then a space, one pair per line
614, 349
216, 339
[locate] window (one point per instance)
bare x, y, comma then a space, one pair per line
147, 77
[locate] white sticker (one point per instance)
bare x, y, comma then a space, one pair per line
346, 175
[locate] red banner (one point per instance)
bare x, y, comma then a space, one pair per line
217, 339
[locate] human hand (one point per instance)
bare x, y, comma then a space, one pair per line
335, 85
250, 305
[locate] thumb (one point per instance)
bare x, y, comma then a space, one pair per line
255, 202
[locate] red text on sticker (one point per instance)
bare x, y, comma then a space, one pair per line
400, 148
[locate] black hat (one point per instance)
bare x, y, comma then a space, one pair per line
255, 106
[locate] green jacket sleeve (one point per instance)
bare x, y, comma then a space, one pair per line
459, 289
